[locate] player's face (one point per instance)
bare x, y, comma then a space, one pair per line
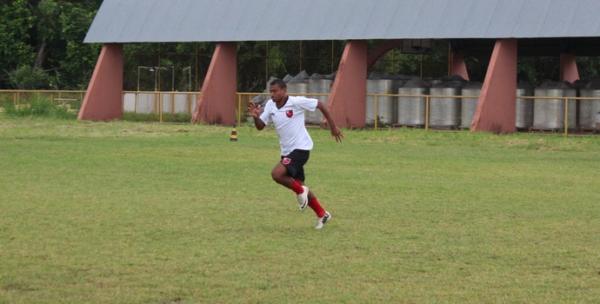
277, 93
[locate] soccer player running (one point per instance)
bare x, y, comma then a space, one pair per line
286, 113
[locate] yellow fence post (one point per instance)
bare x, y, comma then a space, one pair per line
427, 103
160, 107
239, 110
173, 103
377, 112
189, 102
566, 116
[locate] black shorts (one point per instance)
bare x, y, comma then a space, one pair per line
294, 163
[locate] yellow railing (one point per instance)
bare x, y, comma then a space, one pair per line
54, 95
158, 101
429, 98
243, 98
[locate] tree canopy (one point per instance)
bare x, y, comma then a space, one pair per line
41, 47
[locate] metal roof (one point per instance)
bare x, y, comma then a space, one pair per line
123, 21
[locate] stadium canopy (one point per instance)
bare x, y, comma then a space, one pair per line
560, 27
126, 21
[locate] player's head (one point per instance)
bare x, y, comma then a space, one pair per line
278, 90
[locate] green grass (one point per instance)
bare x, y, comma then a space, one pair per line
129, 212
39, 106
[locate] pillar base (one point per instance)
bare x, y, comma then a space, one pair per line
217, 102
347, 100
104, 96
497, 103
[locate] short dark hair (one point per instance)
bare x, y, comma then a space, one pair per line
279, 83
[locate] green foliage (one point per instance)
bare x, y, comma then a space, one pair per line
46, 35
30, 78
39, 106
15, 49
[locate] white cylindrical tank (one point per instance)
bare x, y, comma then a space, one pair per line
588, 109
524, 107
411, 107
548, 114
471, 91
444, 105
318, 84
385, 108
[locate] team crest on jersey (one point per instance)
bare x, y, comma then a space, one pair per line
289, 113
286, 161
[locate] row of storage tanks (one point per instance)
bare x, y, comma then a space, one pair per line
449, 110
147, 103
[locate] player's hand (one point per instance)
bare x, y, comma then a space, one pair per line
253, 109
337, 134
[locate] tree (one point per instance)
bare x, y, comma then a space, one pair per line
15, 49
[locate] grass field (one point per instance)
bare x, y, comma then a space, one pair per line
146, 213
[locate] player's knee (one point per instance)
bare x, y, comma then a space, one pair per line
276, 175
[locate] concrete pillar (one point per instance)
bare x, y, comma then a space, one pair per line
217, 103
496, 108
568, 68
347, 100
457, 65
104, 96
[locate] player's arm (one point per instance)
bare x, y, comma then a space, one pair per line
254, 111
335, 131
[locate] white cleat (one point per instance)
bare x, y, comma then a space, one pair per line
303, 199
323, 220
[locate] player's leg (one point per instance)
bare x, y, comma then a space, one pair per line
323, 216
313, 202
280, 175
284, 176
315, 205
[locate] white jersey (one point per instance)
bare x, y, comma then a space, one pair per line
289, 122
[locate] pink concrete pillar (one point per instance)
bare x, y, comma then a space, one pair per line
457, 65
568, 68
104, 97
347, 100
496, 108
217, 103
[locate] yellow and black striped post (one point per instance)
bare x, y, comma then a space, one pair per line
234, 135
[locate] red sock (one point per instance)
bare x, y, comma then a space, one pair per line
297, 187
314, 204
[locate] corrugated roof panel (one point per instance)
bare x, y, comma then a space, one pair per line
243, 20
504, 18
314, 23
252, 19
531, 19
143, 25
480, 15
404, 20
232, 17
559, 17
586, 23
430, 15
360, 17
459, 10
301, 13
378, 23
